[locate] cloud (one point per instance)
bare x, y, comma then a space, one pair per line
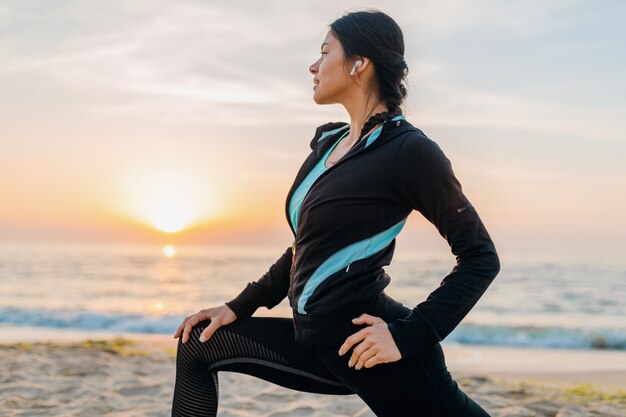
202, 62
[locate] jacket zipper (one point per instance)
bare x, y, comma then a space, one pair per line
343, 159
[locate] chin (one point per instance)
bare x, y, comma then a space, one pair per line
320, 100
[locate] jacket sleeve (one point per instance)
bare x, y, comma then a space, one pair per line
268, 291
425, 181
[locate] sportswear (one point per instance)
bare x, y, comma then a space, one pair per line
265, 347
345, 219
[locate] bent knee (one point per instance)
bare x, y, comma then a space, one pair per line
194, 334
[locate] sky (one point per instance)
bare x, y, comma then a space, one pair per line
127, 121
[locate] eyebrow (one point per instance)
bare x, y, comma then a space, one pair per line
325, 43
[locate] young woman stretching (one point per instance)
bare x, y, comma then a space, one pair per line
348, 202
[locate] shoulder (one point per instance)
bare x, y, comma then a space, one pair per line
417, 148
326, 130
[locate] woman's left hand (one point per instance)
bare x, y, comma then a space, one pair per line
375, 343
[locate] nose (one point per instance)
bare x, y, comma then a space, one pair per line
313, 67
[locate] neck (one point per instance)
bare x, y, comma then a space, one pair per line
360, 112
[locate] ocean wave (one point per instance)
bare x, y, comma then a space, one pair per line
536, 336
526, 336
89, 320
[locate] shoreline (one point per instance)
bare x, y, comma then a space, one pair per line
605, 369
551, 364
518, 362
130, 374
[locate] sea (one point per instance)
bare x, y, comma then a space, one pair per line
139, 289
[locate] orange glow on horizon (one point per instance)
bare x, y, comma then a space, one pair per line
169, 201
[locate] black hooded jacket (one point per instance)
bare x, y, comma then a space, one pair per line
345, 219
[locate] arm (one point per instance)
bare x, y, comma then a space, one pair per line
426, 182
268, 291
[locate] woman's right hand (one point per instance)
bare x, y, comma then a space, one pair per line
219, 316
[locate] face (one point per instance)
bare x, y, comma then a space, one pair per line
331, 78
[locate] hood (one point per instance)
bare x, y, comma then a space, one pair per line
332, 128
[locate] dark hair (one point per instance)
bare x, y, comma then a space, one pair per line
373, 34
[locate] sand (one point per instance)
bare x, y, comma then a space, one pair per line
133, 375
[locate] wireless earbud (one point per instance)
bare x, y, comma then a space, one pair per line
358, 63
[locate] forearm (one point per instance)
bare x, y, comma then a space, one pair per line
434, 318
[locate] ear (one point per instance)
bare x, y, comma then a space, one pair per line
364, 63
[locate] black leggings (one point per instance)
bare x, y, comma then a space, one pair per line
264, 347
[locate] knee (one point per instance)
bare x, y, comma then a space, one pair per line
190, 348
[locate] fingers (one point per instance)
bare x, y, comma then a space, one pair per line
347, 345
366, 358
372, 345
180, 328
363, 319
372, 360
356, 341
352, 340
358, 352
208, 332
189, 327
367, 319
191, 322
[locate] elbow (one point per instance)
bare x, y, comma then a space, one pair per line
489, 261
494, 264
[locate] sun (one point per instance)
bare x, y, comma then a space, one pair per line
169, 214
169, 201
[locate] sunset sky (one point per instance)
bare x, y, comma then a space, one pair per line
120, 120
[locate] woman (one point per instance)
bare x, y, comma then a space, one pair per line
348, 202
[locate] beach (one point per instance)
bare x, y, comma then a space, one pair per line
87, 331
129, 374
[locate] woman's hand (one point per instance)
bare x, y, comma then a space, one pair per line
375, 343
220, 316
